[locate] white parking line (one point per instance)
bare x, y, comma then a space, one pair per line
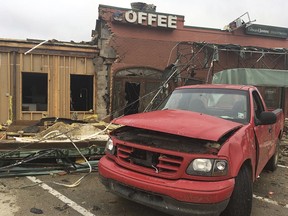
61, 197
269, 201
282, 166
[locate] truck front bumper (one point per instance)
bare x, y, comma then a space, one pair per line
176, 197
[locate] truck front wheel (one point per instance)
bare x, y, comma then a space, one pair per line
240, 203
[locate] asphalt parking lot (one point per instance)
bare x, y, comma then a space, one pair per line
26, 196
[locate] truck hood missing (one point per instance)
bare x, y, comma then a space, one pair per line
182, 123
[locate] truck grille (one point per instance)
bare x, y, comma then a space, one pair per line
150, 161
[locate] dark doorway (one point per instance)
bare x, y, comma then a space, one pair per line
132, 92
81, 98
34, 92
133, 89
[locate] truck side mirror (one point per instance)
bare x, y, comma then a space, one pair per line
267, 118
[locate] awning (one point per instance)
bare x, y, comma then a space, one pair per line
249, 76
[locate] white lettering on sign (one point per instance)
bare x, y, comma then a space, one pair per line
152, 18
166, 21
162, 20
131, 17
172, 22
142, 17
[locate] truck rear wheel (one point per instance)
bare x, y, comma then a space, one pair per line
240, 203
273, 162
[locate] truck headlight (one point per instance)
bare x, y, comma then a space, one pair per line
110, 148
202, 165
220, 168
207, 167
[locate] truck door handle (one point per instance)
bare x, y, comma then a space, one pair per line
270, 129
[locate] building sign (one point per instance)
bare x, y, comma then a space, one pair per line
146, 19
270, 31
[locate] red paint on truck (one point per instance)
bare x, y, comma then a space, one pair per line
198, 154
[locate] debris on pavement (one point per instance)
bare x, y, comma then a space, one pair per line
51, 146
36, 211
62, 208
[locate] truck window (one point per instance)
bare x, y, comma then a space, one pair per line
228, 104
258, 106
272, 96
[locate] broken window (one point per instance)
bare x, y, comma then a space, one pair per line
81, 98
34, 91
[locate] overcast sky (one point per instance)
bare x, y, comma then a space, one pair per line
67, 20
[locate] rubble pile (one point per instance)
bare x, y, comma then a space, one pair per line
75, 132
51, 145
3, 128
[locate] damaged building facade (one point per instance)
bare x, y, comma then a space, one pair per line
47, 89
136, 56
56, 79
153, 52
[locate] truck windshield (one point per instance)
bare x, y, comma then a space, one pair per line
228, 104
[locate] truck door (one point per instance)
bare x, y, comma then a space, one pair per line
263, 134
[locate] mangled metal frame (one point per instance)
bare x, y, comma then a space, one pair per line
193, 57
52, 154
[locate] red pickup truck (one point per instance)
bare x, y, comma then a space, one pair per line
198, 154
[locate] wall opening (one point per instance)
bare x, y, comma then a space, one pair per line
34, 91
132, 91
81, 94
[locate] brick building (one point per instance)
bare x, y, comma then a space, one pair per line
140, 48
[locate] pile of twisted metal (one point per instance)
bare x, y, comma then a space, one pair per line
51, 145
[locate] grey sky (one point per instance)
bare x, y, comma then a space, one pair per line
68, 20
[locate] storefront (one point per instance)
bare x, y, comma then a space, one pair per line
146, 48
56, 79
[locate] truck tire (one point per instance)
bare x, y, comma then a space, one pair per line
240, 203
273, 161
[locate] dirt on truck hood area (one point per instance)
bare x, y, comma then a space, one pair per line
182, 123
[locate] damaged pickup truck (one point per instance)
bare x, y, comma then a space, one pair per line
199, 154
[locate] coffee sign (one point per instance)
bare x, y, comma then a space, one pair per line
147, 19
